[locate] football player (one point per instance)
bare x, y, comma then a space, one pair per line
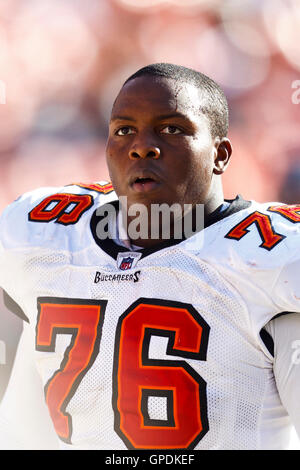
136, 337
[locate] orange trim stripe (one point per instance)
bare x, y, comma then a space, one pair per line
100, 188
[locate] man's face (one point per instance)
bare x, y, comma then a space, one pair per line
160, 148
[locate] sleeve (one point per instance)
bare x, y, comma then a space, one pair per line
286, 291
13, 237
285, 331
10, 275
24, 420
17, 237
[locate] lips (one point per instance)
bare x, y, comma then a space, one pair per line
144, 181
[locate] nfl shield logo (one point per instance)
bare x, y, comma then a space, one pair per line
128, 260
126, 263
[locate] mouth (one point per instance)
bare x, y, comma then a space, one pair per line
145, 182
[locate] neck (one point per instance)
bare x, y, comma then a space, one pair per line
150, 229
215, 197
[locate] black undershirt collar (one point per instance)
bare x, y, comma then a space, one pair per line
112, 249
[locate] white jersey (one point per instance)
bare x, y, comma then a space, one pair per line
158, 349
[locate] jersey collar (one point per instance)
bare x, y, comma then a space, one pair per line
113, 249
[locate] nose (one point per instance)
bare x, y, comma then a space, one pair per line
144, 150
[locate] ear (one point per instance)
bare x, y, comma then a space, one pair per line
223, 151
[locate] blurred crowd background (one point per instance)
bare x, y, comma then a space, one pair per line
63, 61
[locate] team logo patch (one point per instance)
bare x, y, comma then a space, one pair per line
127, 260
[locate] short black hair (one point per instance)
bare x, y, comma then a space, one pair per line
215, 104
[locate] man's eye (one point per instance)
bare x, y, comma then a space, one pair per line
171, 130
125, 131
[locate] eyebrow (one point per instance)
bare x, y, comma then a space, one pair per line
172, 115
160, 117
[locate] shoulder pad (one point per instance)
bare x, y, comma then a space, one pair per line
267, 234
39, 215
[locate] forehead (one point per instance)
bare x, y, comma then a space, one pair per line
157, 95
